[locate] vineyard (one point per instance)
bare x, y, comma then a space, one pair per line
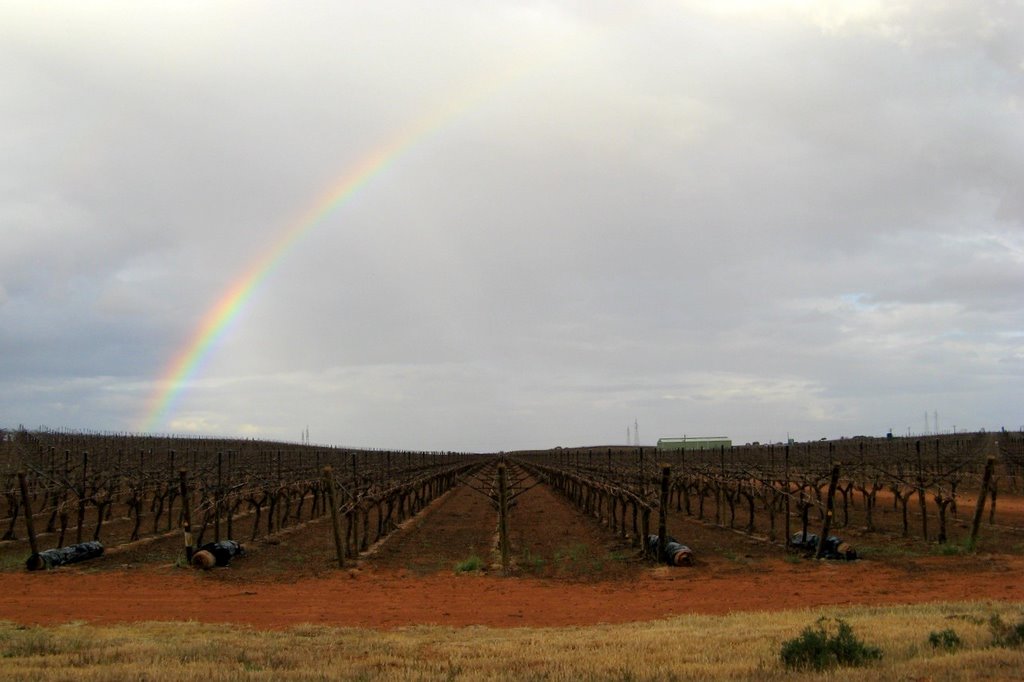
911, 488
128, 492
149, 499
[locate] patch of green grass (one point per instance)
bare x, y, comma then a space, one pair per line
951, 549
529, 561
473, 563
579, 560
736, 558
891, 550
10, 561
574, 553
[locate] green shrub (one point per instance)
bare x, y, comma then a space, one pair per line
952, 550
1006, 635
946, 639
473, 563
817, 648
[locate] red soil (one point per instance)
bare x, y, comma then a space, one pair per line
388, 599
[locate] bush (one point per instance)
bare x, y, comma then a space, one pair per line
1006, 635
946, 639
817, 648
473, 563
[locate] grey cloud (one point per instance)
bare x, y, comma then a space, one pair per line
788, 220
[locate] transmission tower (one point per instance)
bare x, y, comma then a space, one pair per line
636, 432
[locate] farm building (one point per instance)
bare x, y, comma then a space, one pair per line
694, 443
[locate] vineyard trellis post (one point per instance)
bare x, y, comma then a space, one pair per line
922, 503
641, 484
339, 546
64, 497
81, 498
355, 476
666, 475
170, 492
218, 496
789, 528
993, 488
830, 504
186, 515
979, 509
719, 501
503, 543
27, 505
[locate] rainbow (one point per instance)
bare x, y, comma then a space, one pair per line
191, 358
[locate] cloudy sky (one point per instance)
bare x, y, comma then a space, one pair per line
749, 219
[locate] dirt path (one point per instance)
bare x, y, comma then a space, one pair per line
462, 525
552, 538
387, 598
549, 537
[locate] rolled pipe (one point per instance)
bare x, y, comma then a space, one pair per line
217, 554
835, 548
675, 554
72, 554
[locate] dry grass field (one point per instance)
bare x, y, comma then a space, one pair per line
737, 646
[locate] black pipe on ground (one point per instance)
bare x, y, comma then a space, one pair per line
72, 554
676, 553
217, 554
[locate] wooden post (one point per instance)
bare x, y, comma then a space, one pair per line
27, 504
993, 487
789, 529
186, 515
170, 493
339, 546
979, 509
81, 498
355, 477
719, 508
503, 519
640, 470
922, 503
217, 496
645, 528
666, 474
830, 505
